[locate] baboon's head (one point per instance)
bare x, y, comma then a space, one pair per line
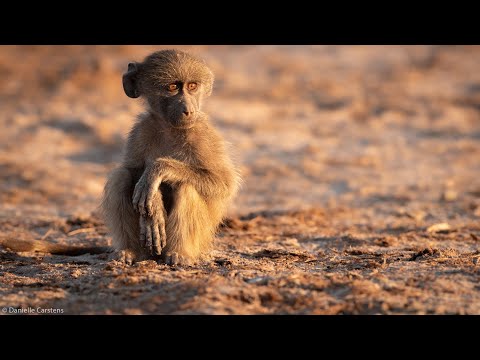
173, 82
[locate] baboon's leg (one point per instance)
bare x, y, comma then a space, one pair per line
120, 217
189, 227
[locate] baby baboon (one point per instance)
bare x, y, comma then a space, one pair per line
172, 189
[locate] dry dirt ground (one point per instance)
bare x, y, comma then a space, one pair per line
350, 157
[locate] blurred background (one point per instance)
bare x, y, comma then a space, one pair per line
390, 127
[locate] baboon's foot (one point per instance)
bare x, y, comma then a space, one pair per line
173, 258
124, 256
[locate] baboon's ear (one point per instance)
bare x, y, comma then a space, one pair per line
130, 81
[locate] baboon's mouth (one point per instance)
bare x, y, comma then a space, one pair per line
183, 123
187, 119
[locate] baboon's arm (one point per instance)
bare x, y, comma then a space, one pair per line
207, 182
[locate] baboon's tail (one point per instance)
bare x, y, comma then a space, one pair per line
54, 249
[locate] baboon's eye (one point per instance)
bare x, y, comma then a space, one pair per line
192, 86
172, 87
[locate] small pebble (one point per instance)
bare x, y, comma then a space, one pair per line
449, 195
439, 228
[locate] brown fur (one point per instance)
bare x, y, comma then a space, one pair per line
175, 168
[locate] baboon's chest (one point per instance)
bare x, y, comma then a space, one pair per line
179, 149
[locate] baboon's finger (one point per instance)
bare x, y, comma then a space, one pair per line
149, 202
149, 234
160, 224
163, 234
141, 202
143, 232
137, 192
157, 248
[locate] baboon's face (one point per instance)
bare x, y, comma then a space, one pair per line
174, 84
179, 101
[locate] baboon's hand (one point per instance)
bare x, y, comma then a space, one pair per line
152, 226
145, 190
152, 233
